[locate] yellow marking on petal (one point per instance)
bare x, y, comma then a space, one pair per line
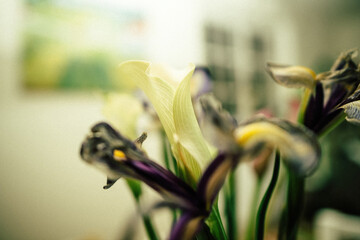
304, 102
247, 133
119, 155
309, 70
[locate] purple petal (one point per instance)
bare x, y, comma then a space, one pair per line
214, 177
315, 106
163, 181
99, 149
201, 81
187, 226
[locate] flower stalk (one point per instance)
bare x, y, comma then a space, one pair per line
328, 98
195, 173
231, 206
261, 214
290, 218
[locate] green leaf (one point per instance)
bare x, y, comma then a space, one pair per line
215, 223
135, 187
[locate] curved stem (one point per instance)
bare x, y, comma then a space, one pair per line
215, 224
261, 215
136, 190
290, 218
254, 205
231, 207
150, 230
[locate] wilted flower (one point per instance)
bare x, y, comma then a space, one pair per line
298, 145
117, 156
327, 94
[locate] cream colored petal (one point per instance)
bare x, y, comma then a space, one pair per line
169, 92
170, 75
186, 125
292, 76
159, 92
122, 111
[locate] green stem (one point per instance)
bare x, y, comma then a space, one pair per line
168, 159
150, 230
261, 215
336, 122
231, 207
215, 224
136, 191
295, 201
254, 205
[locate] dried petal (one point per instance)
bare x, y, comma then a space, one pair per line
352, 111
292, 76
217, 124
298, 146
118, 157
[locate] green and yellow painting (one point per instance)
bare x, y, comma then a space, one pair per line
78, 44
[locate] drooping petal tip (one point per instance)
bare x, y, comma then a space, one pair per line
292, 76
298, 145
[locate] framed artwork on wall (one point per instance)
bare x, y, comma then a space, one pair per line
78, 44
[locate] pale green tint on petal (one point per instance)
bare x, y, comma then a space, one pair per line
352, 111
292, 76
122, 111
186, 125
298, 146
165, 89
159, 92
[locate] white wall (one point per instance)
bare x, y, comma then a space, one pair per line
47, 192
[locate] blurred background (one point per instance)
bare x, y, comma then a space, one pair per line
57, 57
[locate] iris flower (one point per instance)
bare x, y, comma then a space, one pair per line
194, 193
118, 157
329, 98
327, 95
169, 92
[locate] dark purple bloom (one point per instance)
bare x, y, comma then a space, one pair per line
335, 90
329, 94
